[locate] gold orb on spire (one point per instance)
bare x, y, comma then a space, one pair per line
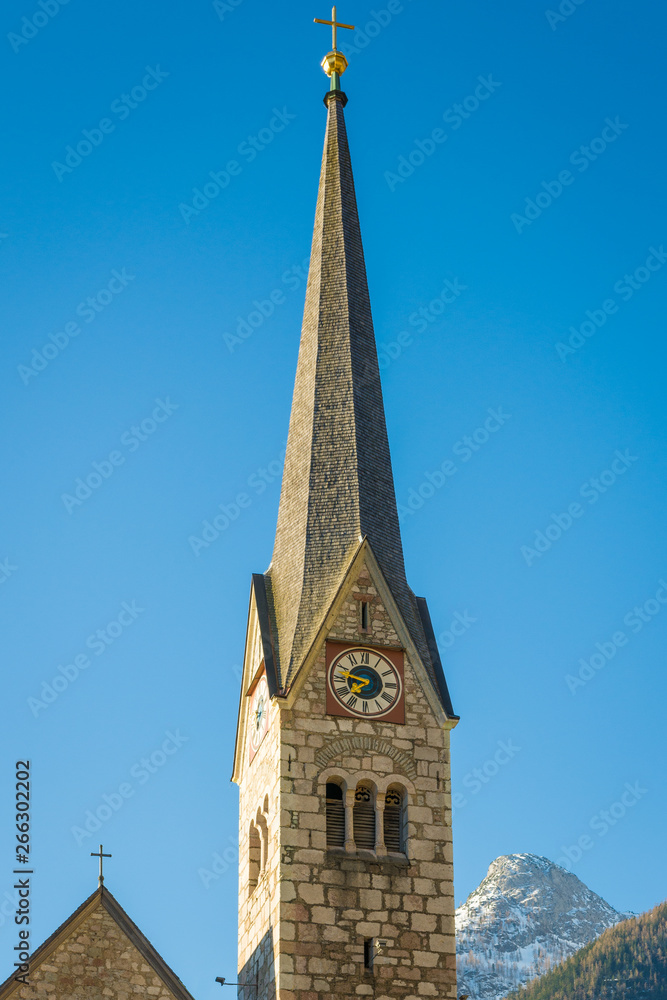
334, 63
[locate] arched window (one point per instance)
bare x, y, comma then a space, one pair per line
264, 840
254, 858
393, 820
335, 815
364, 818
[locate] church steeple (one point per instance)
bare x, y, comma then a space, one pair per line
342, 746
338, 485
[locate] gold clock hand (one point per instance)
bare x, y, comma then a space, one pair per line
347, 675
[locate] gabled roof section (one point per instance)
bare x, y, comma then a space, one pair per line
100, 899
425, 616
259, 633
338, 484
433, 684
261, 598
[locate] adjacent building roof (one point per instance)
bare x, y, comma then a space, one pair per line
97, 949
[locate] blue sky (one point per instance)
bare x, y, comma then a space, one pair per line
517, 266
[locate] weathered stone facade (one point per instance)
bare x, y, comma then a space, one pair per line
97, 953
259, 794
303, 926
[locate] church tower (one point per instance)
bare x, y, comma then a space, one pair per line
342, 748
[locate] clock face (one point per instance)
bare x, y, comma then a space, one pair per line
365, 683
258, 717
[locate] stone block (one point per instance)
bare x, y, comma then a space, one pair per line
310, 893
367, 929
426, 959
423, 921
370, 899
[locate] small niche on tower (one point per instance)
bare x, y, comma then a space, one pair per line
365, 627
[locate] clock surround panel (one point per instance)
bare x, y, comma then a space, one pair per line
365, 682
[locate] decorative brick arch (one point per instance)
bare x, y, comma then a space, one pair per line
352, 744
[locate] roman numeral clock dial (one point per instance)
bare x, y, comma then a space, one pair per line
258, 716
365, 683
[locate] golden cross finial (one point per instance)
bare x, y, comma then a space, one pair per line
334, 26
100, 856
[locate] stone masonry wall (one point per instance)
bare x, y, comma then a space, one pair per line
258, 904
96, 960
330, 901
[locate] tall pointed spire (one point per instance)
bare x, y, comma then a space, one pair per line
338, 485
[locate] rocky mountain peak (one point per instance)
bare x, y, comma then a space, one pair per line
526, 915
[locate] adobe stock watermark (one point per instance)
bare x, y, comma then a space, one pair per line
566, 9
140, 773
454, 116
625, 288
581, 158
122, 107
634, 620
475, 780
7, 569
220, 863
249, 149
131, 439
601, 823
88, 310
591, 491
31, 26
420, 320
98, 642
258, 482
464, 449
9, 906
364, 34
225, 7
291, 279
458, 626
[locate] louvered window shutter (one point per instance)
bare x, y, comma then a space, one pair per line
393, 816
364, 820
335, 816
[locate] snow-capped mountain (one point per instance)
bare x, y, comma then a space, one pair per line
527, 915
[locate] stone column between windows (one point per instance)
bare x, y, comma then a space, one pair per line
380, 848
349, 820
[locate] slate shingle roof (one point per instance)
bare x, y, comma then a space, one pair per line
337, 485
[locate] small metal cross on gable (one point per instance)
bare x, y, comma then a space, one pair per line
100, 855
334, 26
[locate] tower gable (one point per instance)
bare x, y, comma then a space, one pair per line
364, 583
